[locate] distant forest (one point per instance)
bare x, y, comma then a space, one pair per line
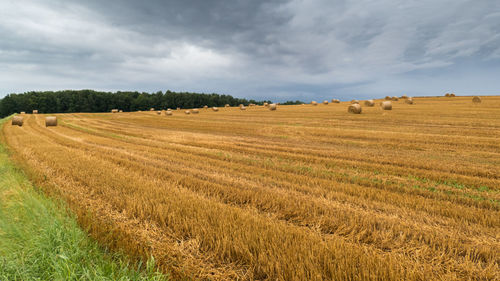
93, 101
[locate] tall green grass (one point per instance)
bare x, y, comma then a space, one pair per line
39, 240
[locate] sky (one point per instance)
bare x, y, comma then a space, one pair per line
274, 50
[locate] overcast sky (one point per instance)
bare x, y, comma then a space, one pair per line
278, 50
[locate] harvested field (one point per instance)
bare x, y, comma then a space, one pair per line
302, 193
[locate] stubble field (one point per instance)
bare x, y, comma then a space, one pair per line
300, 193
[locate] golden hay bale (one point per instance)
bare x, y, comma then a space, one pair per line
241, 105
152, 109
387, 98
22, 112
386, 105
314, 103
272, 106
187, 111
354, 108
325, 102
168, 112
404, 96
243, 108
447, 95
158, 112
252, 104
335, 101
195, 111
395, 98
50, 121
35, 111
476, 99
369, 103
452, 95
215, 108
266, 104
178, 108
205, 106
17, 121
409, 100
114, 110
227, 105
120, 111
355, 102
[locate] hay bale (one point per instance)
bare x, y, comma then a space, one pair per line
335, 101
120, 111
215, 108
447, 95
17, 121
227, 105
476, 99
152, 109
314, 103
158, 112
195, 111
354, 108
355, 102
325, 102
241, 105
409, 100
386, 105
50, 121
272, 106
35, 111
114, 110
452, 95
252, 104
168, 112
205, 106
395, 98
404, 96
187, 111
178, 108
369, 103
387, 98
266, 104
22, 112
243, 108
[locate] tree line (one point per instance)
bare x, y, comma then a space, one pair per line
94, 101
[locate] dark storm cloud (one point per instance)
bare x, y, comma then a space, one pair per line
264, 49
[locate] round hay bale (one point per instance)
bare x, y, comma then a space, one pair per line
386, 105
168, 112
195, 111
205, 106
325, 102
114, 110
266, 104
252, 104
335, 101
22, 112
354, 108
476, 99
447, 95
120, 111
243, 108
409, 100
355, 102
272, 106
227, 105
314, 103
158, 112
215, 108
17, 121
178, 108
404, 96
369, 103
187, 111
452, 95
395, 98
35, 111
241, 105
152, 109
50, 121
387, 98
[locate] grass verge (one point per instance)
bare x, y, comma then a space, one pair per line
39, 240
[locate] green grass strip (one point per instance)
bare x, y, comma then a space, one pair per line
39, 240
